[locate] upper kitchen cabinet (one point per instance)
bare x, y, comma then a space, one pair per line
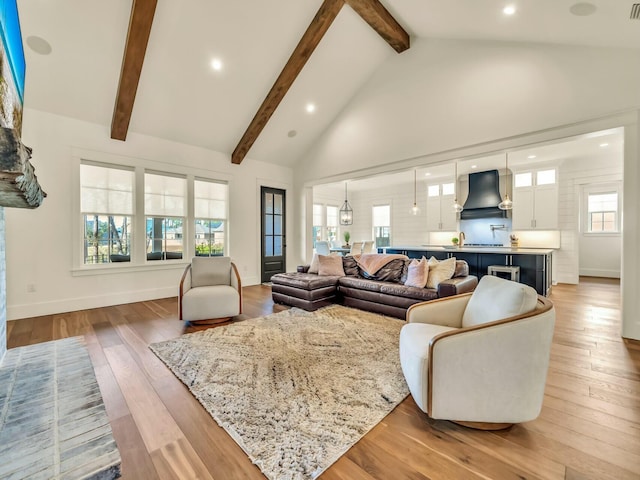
535, 200
440, 213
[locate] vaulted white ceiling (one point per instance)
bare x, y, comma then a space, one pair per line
181, 98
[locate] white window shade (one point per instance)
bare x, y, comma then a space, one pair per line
106, 190
210, 199
603, 202
164, 196
317, 214
382, 216
332, 216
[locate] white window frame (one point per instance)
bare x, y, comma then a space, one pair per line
595, 189
225, 220
337, 224
321, 225
374, 226
138, 255
188, 192
108, 212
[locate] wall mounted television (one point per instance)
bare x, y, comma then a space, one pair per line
12, 67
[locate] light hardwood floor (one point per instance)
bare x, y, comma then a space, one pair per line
589, 427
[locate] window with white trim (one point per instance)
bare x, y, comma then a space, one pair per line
382, 225
165, 212
603, 211
317, 223
210, 211
332, 223
106, 206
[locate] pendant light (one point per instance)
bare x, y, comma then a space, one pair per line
415, 210
456, 206
506, 204
346, 212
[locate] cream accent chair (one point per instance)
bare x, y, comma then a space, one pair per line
210, 291
356, 248
479, 359
368, 246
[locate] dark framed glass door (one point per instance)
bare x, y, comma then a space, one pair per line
273, 234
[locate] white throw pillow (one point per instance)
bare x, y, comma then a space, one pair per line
439, 271
418, 273
313, 268
496, 298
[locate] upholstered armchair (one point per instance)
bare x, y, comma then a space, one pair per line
479, 359
210, 290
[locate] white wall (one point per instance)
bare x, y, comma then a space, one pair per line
39, 242
446, 99
406, 229
448, 94
580, 255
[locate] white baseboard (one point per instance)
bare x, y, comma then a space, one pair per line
15, 312
248, 281
597, 272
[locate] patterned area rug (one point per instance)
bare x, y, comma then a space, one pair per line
294, 389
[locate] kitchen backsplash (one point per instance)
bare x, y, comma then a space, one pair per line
487, 230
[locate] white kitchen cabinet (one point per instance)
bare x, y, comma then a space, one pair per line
440, 213
535, 200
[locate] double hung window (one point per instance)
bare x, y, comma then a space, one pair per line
602, 212
210, 206
106, 206
382, 225
165, 212
317, 223
135, 216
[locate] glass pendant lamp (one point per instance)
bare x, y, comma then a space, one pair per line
456, 206
346, 212
506, 204
415, 210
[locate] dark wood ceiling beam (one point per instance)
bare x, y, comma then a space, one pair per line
379, 18
142, 12
319, 25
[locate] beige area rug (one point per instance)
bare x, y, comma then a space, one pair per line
294, 389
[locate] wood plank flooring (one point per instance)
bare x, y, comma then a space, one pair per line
589, 427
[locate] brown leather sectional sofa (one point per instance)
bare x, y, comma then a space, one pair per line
383, 293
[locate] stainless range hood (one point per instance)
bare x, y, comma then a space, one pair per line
484, 196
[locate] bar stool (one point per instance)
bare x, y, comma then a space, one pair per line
513, 271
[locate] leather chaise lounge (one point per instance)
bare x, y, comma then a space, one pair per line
383, 293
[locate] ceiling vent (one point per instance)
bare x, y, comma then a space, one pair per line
635, 11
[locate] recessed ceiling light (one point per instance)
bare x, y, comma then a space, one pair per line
531, 157
310, 108
509, 10
583, 9
216, 64
427, 174
604, 145
474, 166
39, 45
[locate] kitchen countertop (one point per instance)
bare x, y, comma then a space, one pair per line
505, 250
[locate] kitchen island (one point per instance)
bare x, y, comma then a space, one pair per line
535, 263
